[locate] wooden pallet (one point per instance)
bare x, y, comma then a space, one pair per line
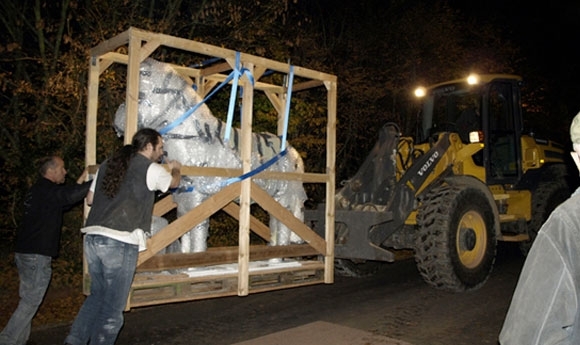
219, 281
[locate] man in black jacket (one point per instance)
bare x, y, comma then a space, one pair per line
38, 240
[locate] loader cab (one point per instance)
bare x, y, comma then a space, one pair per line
480, 109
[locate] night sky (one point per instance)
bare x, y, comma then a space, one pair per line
547, 33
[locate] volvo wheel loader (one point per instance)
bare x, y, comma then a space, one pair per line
469, 177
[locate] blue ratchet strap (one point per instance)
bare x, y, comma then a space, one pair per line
239, 178
232, 98
255, 171
233, 75
188, 113
182, 189
287, 111
283, 149
237, 72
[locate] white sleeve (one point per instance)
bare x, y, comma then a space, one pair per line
158, 178
94, 183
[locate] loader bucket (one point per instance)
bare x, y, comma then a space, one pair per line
375, 180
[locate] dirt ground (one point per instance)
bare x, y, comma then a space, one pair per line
394, 304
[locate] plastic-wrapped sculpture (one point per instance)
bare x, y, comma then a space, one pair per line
198, 140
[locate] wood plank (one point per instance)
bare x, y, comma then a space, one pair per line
115, 57
160, 279
147, 49
219, 78
275, 100
259, 72
164, 205
215, 68
132, 96
223, 255
205, 87
293, 176
307, 85
209, 171
186, 72
158, 289
330, 189
111, 44
255, 224
265, 175
182, 224
92, 112
286, 217
245, 195
210, 50
281, 121
104, 65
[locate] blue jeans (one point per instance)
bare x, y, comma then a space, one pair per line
35, 272
111, 267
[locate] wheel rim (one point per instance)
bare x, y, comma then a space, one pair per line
471, 239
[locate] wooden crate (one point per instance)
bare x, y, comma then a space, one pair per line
316, 257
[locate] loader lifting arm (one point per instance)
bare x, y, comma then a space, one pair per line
373, 205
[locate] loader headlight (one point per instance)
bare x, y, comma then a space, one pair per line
476, 137
473, 79
420, 92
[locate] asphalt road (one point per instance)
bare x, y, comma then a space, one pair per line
395, 303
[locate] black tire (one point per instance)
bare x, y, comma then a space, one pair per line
545, 199
358, 269
456, 241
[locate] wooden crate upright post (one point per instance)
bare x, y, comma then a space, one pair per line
244, 223
132, 96
330, 170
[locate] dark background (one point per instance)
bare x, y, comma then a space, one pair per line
547, 34
378, 49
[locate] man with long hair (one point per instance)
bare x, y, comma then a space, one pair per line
37, 241
122, 199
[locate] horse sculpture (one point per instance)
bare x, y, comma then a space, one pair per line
164, 97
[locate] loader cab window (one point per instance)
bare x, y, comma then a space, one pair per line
452, 108
502, 138
469, 119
